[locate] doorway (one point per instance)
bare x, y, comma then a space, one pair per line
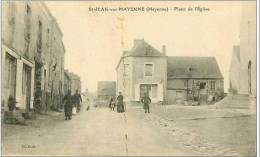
37, 87
145, 88
26, 86
10, 77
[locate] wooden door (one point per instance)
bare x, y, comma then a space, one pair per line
10, 77
26, 86
170, 96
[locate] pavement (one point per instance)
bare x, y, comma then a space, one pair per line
167, 131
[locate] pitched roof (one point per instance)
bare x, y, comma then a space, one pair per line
74, 76
236, 51
142, 48
192, 67
106, 88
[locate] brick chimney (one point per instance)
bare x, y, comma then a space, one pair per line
164, 50
138, 41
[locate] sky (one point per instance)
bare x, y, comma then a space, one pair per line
94, 41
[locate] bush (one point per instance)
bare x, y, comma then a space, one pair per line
219, 94
232, 91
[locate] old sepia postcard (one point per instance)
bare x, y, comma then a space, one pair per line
129, 78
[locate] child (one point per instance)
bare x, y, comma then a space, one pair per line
112, 104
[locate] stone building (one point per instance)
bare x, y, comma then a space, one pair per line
144, 69
28, 32
75, 83
67, 82
192, 78
106, 91
244, 59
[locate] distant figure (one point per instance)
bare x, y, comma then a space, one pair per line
68, 105
77, 99
120, 105
112, 104
146, 100
88, 105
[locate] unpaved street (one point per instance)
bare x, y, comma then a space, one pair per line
167, 131
94, 132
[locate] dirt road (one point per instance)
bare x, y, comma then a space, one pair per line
94, 132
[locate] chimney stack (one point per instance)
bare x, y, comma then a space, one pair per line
164, 50
138, 41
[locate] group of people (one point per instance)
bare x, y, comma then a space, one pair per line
121, 106
120, 103
70, 102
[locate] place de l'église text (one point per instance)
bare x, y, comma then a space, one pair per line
149, 9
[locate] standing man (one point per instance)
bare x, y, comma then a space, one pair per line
68, 105
146, 100
120, 105
77, 100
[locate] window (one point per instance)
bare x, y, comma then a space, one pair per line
212, 85
12, 11
126, 70
39, 41
202, 85
148, 70
27, 34
186, 83
48, 37
45, 74
191, 69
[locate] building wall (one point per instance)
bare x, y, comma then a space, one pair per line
123, 83
248, 47
234, 72
66, 84
179, 85
75, 85
159, 74
20, 38
57, 59
130, 85
15, 41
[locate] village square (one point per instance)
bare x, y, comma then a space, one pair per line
158, 104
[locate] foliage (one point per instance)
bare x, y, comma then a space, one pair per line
219, 94
11, 103
232, 90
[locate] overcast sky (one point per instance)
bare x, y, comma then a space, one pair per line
93, 40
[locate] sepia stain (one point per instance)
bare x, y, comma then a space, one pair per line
121, 24
94, 13
122, 43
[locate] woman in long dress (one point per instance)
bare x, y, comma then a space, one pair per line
120, 105
68, 105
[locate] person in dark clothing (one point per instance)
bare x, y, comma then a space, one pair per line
68, 99
77, 99
112, 104
120, 105
146, 100
11, 103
